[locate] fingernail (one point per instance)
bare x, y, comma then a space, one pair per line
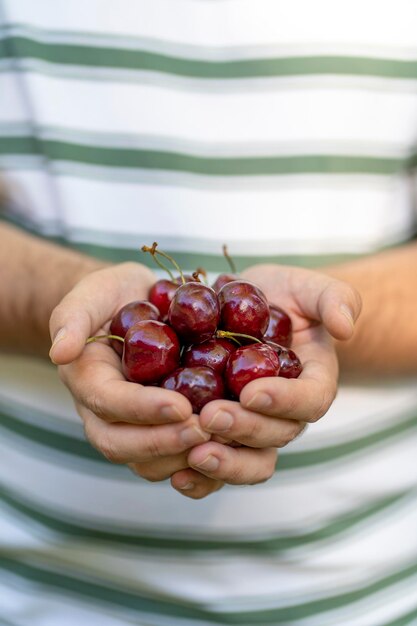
187, 487
259, 401
210, 464
347, 313
172, 413
221, 422
192, 435
58, 337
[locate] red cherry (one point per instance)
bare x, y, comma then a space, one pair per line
244, 309
187, 278
194, 312
127, 316
289, 363
151, 351
248, 363
161, 294
223, 279
199, 384
213, 353
280, 326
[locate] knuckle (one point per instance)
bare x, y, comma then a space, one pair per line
253, 428
236, 475
268, 470
94, 402
105, 445
292, 404
322, 406
153, 445
290, 432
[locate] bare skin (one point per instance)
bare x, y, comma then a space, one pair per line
153, 430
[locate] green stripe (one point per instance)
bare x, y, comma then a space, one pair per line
405, 620
211, 263
51, 439
287, 461
187, 260
296, 460
135, 59
96, 590
56, 150
69, 528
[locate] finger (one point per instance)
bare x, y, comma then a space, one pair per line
236, 466
306, 398
247, 427
127, 443
325, 299
91, 303
194, 485
95, 380
160, 469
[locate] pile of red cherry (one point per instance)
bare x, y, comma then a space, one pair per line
204, 342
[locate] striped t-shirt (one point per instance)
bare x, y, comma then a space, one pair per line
289, 131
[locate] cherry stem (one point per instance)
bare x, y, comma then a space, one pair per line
152, 251
92, 339
200, 272
229, 259
225, 334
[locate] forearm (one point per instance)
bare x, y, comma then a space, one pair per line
34, 277
385, 338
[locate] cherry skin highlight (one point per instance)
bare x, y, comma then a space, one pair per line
243, 308
213, 353
194, 312
280, 326
151, 351
161, 294
249, 363
127, 316
199, 384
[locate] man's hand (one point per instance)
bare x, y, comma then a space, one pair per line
148, 428
273, 411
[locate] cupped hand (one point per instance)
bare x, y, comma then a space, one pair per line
273, 411
148, 428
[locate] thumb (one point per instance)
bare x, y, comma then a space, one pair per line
78, 316
92, 303
339, 306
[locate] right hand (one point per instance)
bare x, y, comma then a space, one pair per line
148, 428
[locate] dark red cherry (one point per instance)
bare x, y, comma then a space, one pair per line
151, 351
289, 363
194, 312
223, 279
127, 316
187, 278
243, 309
213, 353
161, 294
199, 384
280, 327
248, 363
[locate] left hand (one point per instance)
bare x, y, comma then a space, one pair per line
271, 412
